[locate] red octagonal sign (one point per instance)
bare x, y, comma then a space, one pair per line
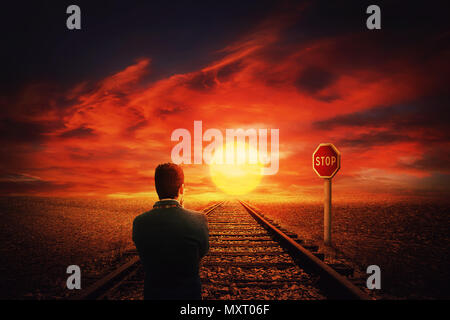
326, 160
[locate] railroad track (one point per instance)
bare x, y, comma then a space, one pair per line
250, 258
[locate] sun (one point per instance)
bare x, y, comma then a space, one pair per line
239, 176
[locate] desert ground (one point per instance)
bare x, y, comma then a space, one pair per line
40, 237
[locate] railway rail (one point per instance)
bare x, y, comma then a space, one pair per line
250, 257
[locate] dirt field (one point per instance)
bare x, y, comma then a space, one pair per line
409, 241
40, 237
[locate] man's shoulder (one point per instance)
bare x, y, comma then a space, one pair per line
141, 217
194, 214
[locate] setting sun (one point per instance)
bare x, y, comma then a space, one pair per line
239, 176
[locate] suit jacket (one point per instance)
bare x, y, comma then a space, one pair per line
171, 241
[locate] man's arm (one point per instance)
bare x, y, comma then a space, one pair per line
204, 241
134, 236
135, 239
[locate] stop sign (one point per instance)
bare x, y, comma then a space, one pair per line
326, 160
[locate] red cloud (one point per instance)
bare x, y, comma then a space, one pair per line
108, 137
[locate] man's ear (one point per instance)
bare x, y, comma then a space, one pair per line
181, 190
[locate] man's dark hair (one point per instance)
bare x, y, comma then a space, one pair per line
168, 179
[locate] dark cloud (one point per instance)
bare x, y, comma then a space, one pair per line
373, 139
423, 122
328, 97
202, 81
177, 34
208, 80
402, 27
313, 79
430, 114
169, 110
30, 186
138, 125
435, 159
81, 132
226, 72
17, 131
375, 117
139, 122
31, 100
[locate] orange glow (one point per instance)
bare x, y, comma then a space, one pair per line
239, 177
116, 131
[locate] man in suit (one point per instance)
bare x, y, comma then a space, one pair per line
171, 240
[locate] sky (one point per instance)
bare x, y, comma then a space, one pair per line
89, 113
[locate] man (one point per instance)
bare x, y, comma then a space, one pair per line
171, 240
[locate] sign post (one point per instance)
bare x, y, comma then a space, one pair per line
326, 163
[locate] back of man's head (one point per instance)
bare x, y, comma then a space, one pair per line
168, 179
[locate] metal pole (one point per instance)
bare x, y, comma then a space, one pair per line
327, 212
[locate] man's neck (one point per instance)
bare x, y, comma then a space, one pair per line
167, 199
177, 199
